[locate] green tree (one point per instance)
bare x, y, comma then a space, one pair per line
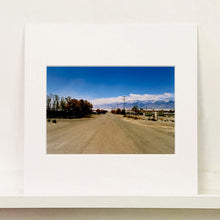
135, 108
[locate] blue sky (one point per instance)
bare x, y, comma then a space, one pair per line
105, 82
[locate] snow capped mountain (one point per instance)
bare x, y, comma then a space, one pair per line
149, 101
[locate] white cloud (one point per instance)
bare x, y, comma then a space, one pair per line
133, 98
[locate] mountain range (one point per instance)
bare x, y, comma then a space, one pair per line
141, 104
146, 101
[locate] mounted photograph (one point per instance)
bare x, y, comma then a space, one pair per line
110, 103
110, 110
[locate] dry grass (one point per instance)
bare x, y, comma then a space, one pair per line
136, 117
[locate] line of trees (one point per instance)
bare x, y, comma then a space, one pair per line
100, 111
118, 111
67, 107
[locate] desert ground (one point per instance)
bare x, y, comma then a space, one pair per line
110, 134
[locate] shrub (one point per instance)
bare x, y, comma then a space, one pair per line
54, 121
48, 120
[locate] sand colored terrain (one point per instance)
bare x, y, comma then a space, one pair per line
110, 134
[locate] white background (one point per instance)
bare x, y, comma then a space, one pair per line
13, 15
111, 45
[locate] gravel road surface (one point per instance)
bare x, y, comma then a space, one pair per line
109, 134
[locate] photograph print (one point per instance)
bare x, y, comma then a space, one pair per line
110, 110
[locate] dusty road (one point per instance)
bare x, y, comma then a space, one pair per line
109, 134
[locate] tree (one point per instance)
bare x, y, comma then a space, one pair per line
123, 112
48, 102
57, 100
98, 111
53, 101
68, 98
62, 103
118, 111
67, 107
135, 108
80, 107
71, 104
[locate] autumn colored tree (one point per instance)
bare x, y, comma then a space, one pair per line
118, 111
98, 111
67, 107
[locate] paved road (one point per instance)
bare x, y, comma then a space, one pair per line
109, 134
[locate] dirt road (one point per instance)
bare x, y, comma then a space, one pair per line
109, 134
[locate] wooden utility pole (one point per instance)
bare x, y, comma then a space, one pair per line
123, 102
